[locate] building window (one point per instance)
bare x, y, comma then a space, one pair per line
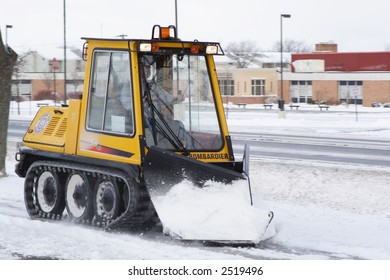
301, 91
226, 87
258, 86
351, 92
22, 88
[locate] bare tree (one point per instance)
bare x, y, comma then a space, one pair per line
76, 79
47, 80
243, 52
292, 46
18, 68
7, 61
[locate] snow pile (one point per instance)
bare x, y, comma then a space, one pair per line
215, 212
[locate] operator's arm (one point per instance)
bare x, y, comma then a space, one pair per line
163, 96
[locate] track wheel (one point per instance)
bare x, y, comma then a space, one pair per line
49, 194
78, 197
106, 200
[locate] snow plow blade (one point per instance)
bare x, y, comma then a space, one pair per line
201, 201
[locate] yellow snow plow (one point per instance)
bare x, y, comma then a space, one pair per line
147, 138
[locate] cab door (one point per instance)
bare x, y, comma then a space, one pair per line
109, 131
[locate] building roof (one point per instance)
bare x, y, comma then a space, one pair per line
52, 52
348, 61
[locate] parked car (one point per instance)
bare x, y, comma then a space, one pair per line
376, 104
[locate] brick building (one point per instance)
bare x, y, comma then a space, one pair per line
246, 85
255, 84
328, 76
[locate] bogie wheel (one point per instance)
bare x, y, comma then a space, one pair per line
78, 197
49, 195
106, 200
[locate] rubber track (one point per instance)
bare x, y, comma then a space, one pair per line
137, 212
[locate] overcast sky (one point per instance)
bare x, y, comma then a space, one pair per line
358, 25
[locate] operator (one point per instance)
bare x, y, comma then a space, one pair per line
160, 97
163, 102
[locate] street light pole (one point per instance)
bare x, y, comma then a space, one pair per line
176, 23
6, 33
281, 103
65, 95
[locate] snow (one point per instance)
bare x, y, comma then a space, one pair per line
322, 210
215, 212
327, 207
339, 120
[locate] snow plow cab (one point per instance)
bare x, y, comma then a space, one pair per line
147, 138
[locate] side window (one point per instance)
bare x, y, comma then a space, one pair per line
98, 90
110, 106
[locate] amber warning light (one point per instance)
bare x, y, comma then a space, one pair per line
164, 33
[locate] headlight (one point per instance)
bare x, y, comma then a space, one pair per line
212, 49
145, 47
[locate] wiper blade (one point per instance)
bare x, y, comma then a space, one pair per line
171, 136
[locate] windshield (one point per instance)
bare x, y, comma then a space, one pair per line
179, 109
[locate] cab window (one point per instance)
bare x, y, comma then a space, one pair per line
110, 106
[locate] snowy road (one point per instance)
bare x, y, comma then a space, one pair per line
327, 148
